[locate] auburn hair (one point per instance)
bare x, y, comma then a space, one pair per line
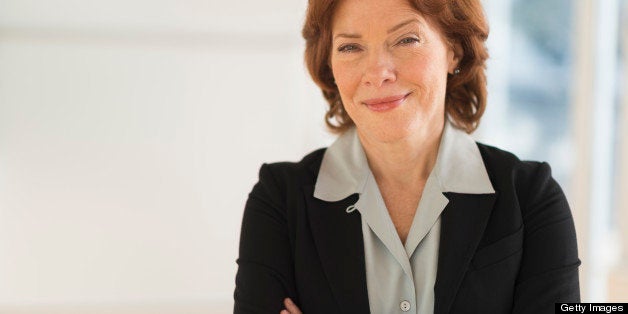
462, 22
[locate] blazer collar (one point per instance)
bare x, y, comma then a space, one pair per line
459, 167
338, 239
463, 222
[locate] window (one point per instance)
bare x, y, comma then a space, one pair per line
554, 93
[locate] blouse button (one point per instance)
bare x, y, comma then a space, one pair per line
404, 306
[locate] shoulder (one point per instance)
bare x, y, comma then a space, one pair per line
502, 164
304, 170
526, 180
281, 177
279, 182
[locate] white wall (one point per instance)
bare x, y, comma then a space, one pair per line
130, 135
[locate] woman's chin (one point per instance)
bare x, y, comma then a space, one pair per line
386, 134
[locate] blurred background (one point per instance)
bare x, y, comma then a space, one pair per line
131, 133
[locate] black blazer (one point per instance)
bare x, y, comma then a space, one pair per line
509, 252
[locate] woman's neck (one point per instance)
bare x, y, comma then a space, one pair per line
405, 162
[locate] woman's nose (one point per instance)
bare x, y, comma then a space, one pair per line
379, 69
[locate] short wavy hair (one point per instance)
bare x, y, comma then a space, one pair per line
461, 21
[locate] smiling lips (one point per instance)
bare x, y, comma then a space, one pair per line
385, 103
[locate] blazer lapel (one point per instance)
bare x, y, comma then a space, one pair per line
338, 239
463, 222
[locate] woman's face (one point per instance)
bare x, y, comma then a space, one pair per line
390, 64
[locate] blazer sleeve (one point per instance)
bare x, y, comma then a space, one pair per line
549, 266
265, 273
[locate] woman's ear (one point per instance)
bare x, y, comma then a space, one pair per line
455, 54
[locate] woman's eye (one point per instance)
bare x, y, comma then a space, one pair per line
408, 41
348, 48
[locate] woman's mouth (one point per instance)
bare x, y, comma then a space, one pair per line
385, 103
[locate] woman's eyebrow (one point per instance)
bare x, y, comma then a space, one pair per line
347, 35
402, 24
392, 29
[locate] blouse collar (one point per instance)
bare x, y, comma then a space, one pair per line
459, 166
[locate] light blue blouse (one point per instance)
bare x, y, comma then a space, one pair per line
400, 278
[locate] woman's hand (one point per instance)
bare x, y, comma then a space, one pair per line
291, 308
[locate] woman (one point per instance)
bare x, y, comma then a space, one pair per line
404, 212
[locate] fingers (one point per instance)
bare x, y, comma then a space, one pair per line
291, 308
